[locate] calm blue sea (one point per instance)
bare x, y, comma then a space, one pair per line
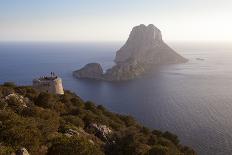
193, 100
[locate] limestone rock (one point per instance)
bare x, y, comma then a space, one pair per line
101, 131
17, 100
91, 70
71, 132
22, 151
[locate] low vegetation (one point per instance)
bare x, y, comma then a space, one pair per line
66, 125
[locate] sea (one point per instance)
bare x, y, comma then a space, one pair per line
192, 100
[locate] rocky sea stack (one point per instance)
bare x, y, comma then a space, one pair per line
143, 51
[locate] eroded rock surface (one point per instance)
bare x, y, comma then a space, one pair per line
101, 131
16, 100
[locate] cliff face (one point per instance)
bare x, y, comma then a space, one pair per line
144, 50
145, 45
141, 39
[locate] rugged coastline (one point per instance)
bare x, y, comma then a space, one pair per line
40, 123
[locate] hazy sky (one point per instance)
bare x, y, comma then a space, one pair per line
112, 20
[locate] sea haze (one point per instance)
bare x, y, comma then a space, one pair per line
192, 100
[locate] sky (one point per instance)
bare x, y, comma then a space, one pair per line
112, 20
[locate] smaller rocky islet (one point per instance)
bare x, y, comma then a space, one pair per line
143, 51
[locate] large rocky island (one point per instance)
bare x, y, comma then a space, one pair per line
143, 51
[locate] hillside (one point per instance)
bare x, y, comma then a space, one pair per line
44, 123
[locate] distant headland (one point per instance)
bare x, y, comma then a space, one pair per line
143, 51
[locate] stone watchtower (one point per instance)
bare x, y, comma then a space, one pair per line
51, 84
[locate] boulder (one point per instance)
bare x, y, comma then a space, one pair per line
22, 151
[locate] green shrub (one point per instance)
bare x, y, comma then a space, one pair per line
73, 146
75, 120
152, 140
157, 132
128, 120
187, 151
77, 102
18, 131
48, 121
158, 150
45, 100
9, 84
90, 106
171, 137
6, 150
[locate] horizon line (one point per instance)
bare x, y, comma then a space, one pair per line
109, 41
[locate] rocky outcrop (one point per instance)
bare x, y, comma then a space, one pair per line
71, 132
143, 51
101, 131
22, 151
16, 100
91, 70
